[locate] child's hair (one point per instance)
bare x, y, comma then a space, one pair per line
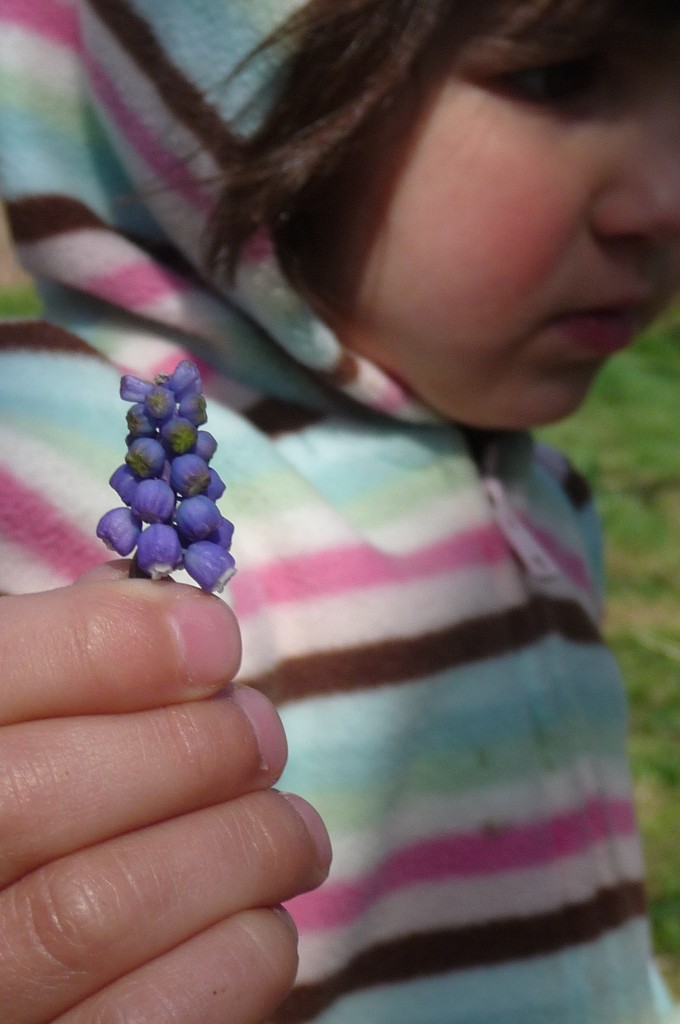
349, 59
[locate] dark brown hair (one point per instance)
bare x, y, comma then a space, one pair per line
348, 60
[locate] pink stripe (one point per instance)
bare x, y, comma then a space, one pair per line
355, 567
393, 398
570, 563
135, 285
30, 521
169, 167
468, 856
48, 18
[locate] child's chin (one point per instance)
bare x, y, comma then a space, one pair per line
557, 405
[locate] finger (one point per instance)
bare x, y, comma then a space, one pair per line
238, 971
112, 646
133, 771
85, 921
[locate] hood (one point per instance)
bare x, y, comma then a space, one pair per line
112, 116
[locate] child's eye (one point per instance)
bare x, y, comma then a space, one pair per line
561, 82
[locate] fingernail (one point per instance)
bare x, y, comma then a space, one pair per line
208, 639
266, 724
315, 827
287, 919
107, 571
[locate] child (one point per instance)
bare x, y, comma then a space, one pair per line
398, 234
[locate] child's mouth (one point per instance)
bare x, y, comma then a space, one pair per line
601, 331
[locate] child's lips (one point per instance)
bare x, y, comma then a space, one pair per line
600, 332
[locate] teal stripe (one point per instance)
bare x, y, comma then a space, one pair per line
242, 27
375, 471
85, 450
459, 730
444, 777
45, 158
48, 379
50, 155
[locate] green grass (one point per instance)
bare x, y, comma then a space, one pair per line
626, 439
16, 302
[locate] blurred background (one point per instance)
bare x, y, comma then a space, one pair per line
9, 274
16, 295
626, 440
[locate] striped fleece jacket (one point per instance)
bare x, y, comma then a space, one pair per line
422, 604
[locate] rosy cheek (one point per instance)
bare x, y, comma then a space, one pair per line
527, 232
479, 239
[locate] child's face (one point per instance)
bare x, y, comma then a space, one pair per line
531, 228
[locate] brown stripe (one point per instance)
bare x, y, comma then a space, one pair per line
38, 217
40, 335
273, 416
404, 659
577, 489
345, 372
165, 254
494, 942
179, 94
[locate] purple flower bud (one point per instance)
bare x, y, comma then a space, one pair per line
158, 550
189, 475
139, 423
132, 389
185, 380
124, 483
210, 565
216, 487
146, 457
179, 434
160, 404
167, 460
197, 517
154, 501
223, 534
120, 530
165, 472
206, 445
192, 407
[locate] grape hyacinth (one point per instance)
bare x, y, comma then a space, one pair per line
167, 486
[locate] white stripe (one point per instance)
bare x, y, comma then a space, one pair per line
80, 496
137, 348
384, 612
35, 59
78, 255
22, 573
417, 528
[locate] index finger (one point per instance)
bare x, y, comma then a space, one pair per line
111, 646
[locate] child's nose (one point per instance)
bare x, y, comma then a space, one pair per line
642, 197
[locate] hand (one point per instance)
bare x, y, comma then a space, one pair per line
143, 854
